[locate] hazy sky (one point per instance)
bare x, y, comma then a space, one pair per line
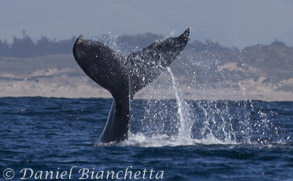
235, 23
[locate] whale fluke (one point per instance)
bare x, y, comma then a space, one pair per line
147, 64
124, 76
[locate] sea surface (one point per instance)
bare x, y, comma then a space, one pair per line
169, 139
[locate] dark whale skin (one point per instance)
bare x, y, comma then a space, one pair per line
124, 76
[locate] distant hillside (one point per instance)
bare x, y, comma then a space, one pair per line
25, 47
205, 70
267, 64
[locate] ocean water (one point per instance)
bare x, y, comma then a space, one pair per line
193, 140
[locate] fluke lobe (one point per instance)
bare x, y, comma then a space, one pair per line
124, 76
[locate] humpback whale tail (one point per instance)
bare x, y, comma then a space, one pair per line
124, 76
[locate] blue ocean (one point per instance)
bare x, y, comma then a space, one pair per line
58, 138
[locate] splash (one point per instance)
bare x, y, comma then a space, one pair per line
185, 122
182, 123
210, 120
160, 140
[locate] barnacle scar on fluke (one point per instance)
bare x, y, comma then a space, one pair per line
124, 76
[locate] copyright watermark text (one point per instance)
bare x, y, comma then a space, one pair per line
83, 174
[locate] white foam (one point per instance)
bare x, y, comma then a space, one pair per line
160, 140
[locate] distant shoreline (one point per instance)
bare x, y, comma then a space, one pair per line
216, 95
60, 76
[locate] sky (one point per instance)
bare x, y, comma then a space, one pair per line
232, 23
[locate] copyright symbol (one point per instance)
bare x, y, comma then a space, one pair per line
8, 173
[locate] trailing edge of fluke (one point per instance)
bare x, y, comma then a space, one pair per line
124, 76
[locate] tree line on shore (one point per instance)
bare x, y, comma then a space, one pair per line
25, 46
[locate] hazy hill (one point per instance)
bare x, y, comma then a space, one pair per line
205, 70
274, 63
